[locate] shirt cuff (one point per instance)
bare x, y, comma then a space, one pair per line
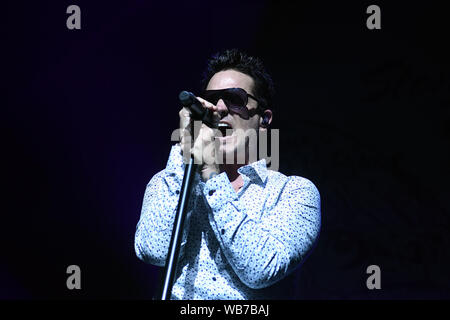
174, 171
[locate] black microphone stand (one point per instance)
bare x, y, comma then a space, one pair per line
177, 232
197, 113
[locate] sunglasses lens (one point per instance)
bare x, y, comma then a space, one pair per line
234, 98
212, 96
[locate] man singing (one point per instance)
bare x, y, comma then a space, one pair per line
247, 226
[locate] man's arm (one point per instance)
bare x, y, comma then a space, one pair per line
154, 229
264, 250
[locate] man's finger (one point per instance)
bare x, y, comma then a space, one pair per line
207, 104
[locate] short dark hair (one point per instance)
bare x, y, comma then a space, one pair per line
235, 59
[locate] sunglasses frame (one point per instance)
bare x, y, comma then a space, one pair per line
232, 109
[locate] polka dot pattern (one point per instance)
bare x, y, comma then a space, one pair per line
234, 244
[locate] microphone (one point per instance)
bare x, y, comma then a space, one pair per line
198, 112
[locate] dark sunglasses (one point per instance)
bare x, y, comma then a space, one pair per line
235, 99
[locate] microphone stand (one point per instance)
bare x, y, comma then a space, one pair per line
177, 232
198, 113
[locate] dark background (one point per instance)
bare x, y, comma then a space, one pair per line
364, 114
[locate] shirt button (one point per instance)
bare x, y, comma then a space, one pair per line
177, 192
222, 231
211, 192
214, 278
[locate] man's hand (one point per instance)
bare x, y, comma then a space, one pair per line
204, 151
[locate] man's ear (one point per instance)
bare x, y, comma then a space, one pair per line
266, 119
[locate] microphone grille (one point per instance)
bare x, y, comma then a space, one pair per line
185, 98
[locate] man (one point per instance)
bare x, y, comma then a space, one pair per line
247, 227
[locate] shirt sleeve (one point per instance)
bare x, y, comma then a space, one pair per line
154, 229
263, 250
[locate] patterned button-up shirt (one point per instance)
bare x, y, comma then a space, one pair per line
234, 243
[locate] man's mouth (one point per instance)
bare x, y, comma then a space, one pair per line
225, 129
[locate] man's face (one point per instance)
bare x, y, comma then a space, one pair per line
229, 144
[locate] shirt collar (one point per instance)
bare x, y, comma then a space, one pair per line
255, 171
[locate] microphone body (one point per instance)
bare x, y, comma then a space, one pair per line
198, 112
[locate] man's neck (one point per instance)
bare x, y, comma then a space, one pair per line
233, 175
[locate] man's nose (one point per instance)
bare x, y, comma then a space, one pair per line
222, 108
